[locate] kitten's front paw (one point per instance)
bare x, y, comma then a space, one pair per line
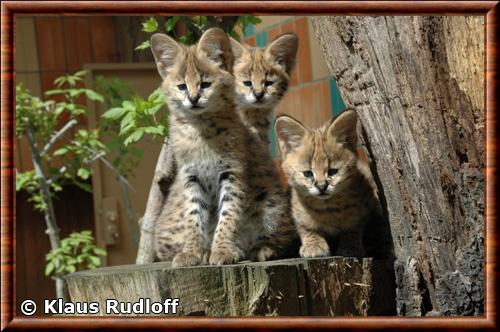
314, 249
186, 259
263, 254
224, 256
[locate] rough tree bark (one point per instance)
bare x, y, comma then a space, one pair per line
418, 86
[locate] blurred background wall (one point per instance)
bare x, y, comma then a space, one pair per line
47, 47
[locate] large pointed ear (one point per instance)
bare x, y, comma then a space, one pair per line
290, 133
215, 45
344, 129
165, 51
283, 51
237, 48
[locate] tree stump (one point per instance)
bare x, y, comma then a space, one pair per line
418, 86
334, 286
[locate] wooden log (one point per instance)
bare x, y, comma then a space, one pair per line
334, 286
165, 172
418, 86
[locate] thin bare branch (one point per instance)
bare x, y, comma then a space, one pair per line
57, 135
54, 178
100, 156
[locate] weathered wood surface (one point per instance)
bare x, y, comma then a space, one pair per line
334, 286
418, 86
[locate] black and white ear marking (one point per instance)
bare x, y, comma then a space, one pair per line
217, 47
165, 51
344, 129
290, 133
283, 51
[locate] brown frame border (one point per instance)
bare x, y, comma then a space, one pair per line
9, 9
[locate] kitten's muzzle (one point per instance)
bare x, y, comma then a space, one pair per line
194, 99
258, 95
321, 186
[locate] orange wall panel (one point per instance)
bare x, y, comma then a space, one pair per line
50, 40
103, 39
77, 43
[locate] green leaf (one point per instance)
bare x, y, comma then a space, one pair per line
151, 25
70, 268
129, 105
25, 180
200, 20
134, 137
143, 45
80, 73
74, 92
184, 39
154, 130
70, 261
60, 268
61, 151
99, 251
127, 123
53, 92
254, 20
157, 94
56, 187
85, 186
114, 113
71, 80
92, 95
60, 81
49, 268
153, 110
171, 23
95, 260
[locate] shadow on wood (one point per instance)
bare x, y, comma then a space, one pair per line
333, 286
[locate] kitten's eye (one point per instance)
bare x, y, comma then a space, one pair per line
205, 85
247, 83
182, 87
308, 174
268, 83
332, 171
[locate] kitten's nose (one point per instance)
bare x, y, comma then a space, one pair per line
194, 99
321, 186
258, 95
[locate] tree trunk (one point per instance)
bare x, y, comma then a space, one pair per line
164, 176
418, 86
331, 286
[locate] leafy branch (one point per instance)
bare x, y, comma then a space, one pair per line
188, 29
139, 116
77, 252
45, 123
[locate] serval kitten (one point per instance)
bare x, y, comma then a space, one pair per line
332, 190
225, 202
262, 76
